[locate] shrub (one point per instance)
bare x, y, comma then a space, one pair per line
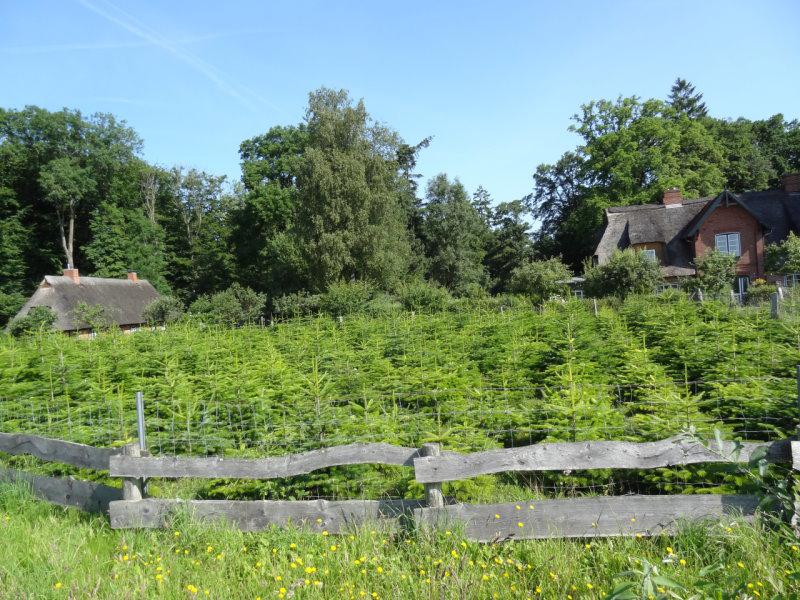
715, 274
759, 292
39, 318
626, 272
383, 304
235, 306
540, 279
299, 304
94, 316
423, 296
163, 311
346, 297
783, 258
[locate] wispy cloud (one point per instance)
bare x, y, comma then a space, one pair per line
244, 95
89, 46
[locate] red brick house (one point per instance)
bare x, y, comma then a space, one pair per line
678, 230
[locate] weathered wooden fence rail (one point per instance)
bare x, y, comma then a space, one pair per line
65, 491
525, 519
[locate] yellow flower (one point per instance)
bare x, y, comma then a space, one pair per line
589, 586
278, 578
177, 534
682, 562
740, 564
497, 516
210, 549
159, 577
58, 585
333, 548
669, 550
454, 554
633, 519
324, 533
520, 524
310, 569
282, 590
485, 577
292, 545
191, 589
518, 507
379, 569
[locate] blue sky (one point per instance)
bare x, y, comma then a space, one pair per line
493, 82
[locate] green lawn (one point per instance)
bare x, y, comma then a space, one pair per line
49, 552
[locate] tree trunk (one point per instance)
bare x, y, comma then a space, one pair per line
66, 244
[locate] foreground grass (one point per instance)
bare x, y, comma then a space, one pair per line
48, 552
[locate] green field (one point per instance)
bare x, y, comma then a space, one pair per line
486, 377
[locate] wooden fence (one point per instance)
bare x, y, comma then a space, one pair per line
579, 517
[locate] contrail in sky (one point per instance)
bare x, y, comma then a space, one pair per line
242, 94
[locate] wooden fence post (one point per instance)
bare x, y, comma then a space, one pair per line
132, 487
433, 491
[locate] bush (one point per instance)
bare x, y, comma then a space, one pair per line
423, 296
783, 258
235, 306
540, 279
715, 274
39, 318
163, 311
346, 297
627, 272
759, 292
383, 304
299, 304
94, 316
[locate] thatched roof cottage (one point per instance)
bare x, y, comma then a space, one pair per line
123, 300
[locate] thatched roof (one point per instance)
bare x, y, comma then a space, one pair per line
123, 299
674, 225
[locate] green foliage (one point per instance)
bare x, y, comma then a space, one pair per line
163, 311
346, 297
759, 292
125, 241
94, 317
539, 280
350, 219
783, 258
423, 296
236, 305
38, 319
454, 236
299, 304
509, 243
627, 272
715, 274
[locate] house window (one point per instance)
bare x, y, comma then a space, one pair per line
728, 243
791, 280
650, 253
578, 294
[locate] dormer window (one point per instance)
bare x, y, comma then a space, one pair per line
728, 243
650, 253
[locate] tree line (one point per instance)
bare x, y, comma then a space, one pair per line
336, 198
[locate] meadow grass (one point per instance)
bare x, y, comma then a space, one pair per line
50, 552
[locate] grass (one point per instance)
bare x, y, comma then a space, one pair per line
49, 552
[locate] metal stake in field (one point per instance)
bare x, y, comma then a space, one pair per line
140, 420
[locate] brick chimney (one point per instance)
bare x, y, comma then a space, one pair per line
791, 183
672, 196
72, 273
132, 276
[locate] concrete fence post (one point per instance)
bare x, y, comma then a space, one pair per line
774, 304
